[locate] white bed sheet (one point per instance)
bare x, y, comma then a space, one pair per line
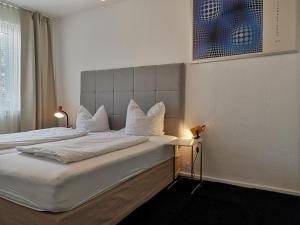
46, 185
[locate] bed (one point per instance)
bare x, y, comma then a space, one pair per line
103, 189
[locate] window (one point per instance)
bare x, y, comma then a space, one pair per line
9, 66
10, 44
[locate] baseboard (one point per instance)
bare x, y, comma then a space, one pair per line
245, 184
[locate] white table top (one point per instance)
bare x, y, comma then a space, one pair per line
182, 142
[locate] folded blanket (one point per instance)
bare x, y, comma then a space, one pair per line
39, 136
82, 148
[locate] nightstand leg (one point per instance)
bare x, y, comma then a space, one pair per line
195, 189
192, 162
201, 171
173, 183
201, 164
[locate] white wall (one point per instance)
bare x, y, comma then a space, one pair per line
251, 106
130, 33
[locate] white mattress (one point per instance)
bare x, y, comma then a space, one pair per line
46, 185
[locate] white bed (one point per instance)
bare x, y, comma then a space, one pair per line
46, 185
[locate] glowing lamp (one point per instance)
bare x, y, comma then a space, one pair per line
196, 131
60, 113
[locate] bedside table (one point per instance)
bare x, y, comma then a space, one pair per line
181, 142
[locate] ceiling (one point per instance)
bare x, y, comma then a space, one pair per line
60, 8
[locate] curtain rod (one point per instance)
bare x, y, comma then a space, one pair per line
4, 2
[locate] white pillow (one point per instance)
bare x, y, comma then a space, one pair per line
137, 123
96, 123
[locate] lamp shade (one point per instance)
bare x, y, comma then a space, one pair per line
60, 109
196, 131
60, 113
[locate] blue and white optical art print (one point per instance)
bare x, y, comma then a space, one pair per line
227, 28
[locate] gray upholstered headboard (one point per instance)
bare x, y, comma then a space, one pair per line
146, 85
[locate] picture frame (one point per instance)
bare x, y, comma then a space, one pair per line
279, 32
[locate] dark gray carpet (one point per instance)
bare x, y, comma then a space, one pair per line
216, 204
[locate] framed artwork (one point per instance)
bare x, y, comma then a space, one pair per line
230, 29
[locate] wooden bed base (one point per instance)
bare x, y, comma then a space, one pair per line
107, 209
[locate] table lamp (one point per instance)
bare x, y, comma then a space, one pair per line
60, 113
196, 131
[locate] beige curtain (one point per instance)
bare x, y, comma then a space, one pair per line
28, 90
38, 100
45, 85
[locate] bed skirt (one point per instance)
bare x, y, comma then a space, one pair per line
108, 208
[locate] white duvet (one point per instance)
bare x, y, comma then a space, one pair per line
84, 147
39, 136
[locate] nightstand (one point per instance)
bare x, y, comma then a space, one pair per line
189, 143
